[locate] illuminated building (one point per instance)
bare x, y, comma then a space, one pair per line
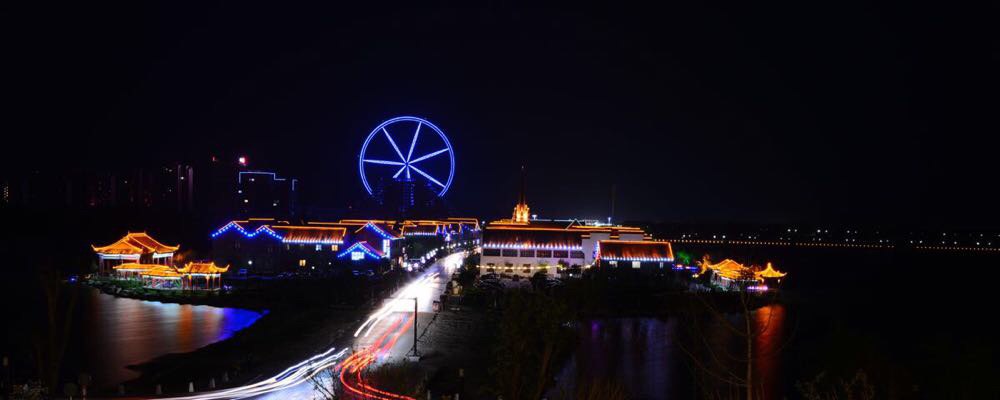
192, 276
134, 247
732, 275
269, 246
523, 246
265, 194
634, 254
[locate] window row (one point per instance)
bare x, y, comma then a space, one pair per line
533, 253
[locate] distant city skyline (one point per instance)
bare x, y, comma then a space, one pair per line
848, 115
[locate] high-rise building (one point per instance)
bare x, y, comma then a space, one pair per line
263, 194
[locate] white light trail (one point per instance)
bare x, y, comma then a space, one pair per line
291, 376
406, 294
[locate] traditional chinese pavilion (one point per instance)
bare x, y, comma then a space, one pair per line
133, 248
733, 275
192, 276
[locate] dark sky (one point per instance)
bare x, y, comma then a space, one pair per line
791, 111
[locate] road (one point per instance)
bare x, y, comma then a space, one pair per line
386, 335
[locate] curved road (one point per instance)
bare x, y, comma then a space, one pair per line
386, 335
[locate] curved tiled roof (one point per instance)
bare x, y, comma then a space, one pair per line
202, 268
135, 243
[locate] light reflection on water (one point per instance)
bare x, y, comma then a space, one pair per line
118, 332
768, 344
642, 354
635, 352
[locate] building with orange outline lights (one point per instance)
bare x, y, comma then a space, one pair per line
270, 246
634, 254
135, 248
733, 275
524, 246
158, 276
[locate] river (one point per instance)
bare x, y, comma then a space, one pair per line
912, 321
108, 334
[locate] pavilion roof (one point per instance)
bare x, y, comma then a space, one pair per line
729, 269
135, 267
635, 250
135, 243
202, 268
770, 272
162, 271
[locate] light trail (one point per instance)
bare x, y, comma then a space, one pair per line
355, 363
291, 376
406, 294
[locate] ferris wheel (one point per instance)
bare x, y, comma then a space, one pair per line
381, 159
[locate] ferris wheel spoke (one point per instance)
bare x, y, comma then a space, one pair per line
426, 156
399, 172
393, 142
427, 176
413, 143
384, 162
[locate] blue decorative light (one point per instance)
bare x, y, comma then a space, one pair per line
420, 234
312, 241
407, 163
274, 176
381, 232
233, 225
363, 247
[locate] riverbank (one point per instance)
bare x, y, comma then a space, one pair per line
214, 298
281, 338
305, 316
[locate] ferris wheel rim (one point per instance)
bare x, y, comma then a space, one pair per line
420, 121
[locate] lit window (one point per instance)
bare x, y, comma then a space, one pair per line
636, 264
319, 247
614, 263
333, 247
302, 263
357, 256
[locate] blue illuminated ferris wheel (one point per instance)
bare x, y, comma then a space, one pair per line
381, 159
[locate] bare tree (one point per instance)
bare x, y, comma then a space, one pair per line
54, 328
325, 384
724, 366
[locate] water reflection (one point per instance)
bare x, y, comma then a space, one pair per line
642, 354
118, 332
769, 322
637, 353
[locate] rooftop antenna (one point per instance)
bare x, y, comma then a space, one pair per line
612, 216
521, 198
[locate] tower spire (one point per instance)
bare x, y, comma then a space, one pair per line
521, 198
521, 211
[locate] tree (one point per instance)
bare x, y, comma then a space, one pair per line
746, 319
54, 327
532, 338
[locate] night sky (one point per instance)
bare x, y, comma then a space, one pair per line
846, 112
